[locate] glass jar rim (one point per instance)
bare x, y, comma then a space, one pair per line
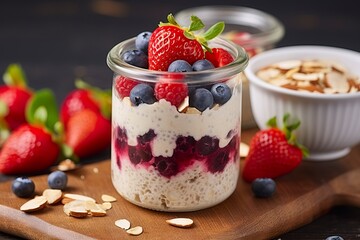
238, 15
118, 66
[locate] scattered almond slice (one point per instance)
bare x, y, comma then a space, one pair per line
75, 204
106, 205
184, 105
34, 204
98, 211
108, 198
192, 110
78, 212
78, 197
52, 196
135, 231
66, 165
244, 149
180, 222
123, 223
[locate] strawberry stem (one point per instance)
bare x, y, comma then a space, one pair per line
15, 76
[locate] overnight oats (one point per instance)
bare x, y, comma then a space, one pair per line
176, 117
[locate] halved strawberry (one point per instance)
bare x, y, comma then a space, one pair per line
219, 57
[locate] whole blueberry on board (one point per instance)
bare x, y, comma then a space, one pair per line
334, 238
57, 180
263, 187
142, 41
221, 93
180, 66
136, 58
142, 93
23, 187
202, 64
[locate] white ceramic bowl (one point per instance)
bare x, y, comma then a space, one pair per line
330, 124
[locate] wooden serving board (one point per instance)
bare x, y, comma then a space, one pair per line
309, 191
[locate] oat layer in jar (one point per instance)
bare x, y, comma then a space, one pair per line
176, 158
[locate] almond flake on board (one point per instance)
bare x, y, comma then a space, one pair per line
106, 205
66, 165
34, 204
52, 196
244, 149
180, 222
78, 197
123, 223
108, 198
135, 231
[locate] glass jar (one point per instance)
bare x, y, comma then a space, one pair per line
170, 158
254, 30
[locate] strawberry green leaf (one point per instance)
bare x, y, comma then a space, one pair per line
4, 109
68, 153
43, 98
40, 115
272, 122
171, 21
214, 31
189, 35
15, 76
196, 24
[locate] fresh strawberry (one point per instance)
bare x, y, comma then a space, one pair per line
219, 57
123, 85
170, 42
85, 97
88, 133
14, 96
29, 149
273, 152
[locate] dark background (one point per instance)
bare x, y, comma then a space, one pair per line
58, 41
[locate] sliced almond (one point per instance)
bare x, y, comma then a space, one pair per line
123, 223
192, 110
135, 231
108, 198
78, 197
66, 165
106, 205
66, 200
338, 82
75, 204
52, 195
184, 105
180, 222
34, 204
268, 73
244, 149
95, 209
287, 65
305, 77
78, 212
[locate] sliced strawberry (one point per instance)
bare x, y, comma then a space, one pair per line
88, 133
123, 85
219, 57
29, 149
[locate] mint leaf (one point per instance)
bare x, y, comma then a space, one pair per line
14, 76
196, 24
45, 99
214, 31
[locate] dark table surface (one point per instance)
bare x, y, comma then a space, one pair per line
58, 41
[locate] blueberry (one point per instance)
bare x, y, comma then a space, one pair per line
136, 58
202, 64
23, 187
207, 145
334, 238
263, 187
221, 93
142, 41
57, 180
142, 93
180, 66
167, 167
120, 138
201, 99
139, 153
146, 138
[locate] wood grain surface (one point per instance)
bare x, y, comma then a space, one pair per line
308, 192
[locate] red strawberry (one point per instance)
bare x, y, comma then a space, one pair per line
88, 133
28, 149
170, 42
85, 97
123, 85
14, 96
273, 152
219, 57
